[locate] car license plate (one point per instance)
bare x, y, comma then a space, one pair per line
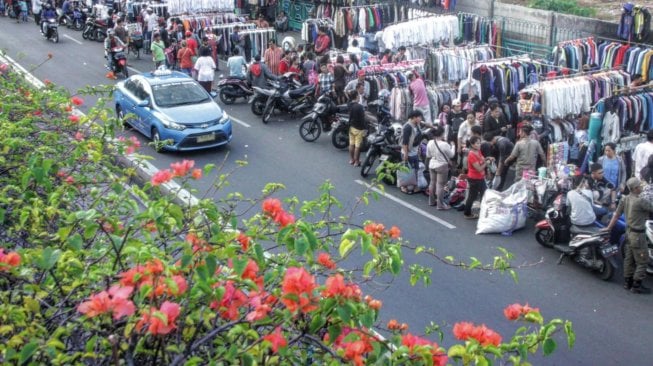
206, 138
384, 157
609, 250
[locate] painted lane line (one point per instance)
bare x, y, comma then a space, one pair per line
239, 121
407, 205
72, 39
134, 70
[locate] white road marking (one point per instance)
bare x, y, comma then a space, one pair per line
72, 39
240, 122
407, 205
134, 70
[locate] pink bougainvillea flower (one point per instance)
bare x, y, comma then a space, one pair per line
161, 321
69, 179
324, 259
162, 176
514, 311
77, 101
38, 113
271, 206
79, 136
243, 240
394, 232
197, 174
8, 260
73, 118
482, 334
298, 283
231, 302
115, 301
182, 286
276, 339
182, 168
47, 82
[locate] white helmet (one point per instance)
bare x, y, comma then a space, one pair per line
398, 128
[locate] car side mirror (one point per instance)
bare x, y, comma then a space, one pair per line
144, 103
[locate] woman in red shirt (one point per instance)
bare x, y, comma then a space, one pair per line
185, 57
476, 164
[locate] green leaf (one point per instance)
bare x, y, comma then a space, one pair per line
27, 352
301, 245
258, 249
239, 265
309, 235
208, 168
202, 273
395, 264
345, 313
549, 346
367, 268
248, 360
211, 264
316, 323
49, 258
419, 250
186, 260
571, 335
75, 242
449, 258
457, 350
345, 246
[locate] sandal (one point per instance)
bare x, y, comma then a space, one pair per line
406, 191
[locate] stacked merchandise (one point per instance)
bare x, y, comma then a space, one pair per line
625, 113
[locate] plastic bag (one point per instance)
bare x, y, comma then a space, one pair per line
406, 177
421, 179
503, 212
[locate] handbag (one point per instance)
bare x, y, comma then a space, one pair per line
449, 161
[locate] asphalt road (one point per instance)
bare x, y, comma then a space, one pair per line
613, 327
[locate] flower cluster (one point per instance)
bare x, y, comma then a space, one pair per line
485, 336
393, 324
243, 240
297, 289
416, 344
355, 344
115, 301
160, 321
324, 259
9, 260
232, 300
199, 244
77, 101
378, 232
151, 274
132, 144
180, 169
514, 311
276, 339
335, 286
272, 207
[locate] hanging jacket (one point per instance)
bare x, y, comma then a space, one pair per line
626, 23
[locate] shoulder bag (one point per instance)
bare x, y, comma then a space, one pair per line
450, 162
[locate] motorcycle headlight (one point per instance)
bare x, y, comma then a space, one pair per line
224, 119
172, 125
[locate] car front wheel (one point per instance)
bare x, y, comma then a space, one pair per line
156, 140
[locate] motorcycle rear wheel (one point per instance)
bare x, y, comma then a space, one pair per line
310, 130
86, 33
55, 36
226, 99
340, 138
608, 270
125, 72
258, 106
267, 114
370, 159
78, 25
99, 36
544, 237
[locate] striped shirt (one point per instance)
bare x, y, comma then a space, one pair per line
272, 59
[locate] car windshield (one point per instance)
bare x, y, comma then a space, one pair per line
180, 93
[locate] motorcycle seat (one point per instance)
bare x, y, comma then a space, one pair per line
342, 108
585, 230
301, 90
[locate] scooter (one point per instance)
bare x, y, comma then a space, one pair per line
322, 117
586, 245
384, 146
94, 29
119, 64
287, 99
76, 19
232, 88
50, 29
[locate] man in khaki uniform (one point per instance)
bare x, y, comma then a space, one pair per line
526, 152
637, 212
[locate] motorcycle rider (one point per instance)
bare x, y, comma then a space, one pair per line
235, 65
47, 14
109, 44
66, 8
121, 32
637, 211
259, 73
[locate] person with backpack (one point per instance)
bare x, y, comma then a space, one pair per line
456, 118
259, 73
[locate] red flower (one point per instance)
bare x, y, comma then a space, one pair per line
11, 259
376, 230
243, 240
47, 82
324, 259
73, 118
162, 176
276, 339
38, 112
394, 232
115, 301
196, 174
70, 180
514, 311
182, 286
232, 300
154, 267
79, 136
485, 336
68, 108
77, 101
181, 169
131, 277
284, 219
299, 284
160, 321
336, 286
261, 307
271, 206
355, 350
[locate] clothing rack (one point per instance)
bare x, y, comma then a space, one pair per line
578, 74
435, 29
574, 41
178, 7
225, 30
256, 40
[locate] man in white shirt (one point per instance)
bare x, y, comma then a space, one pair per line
355, 49
353, 85
151, 22
642, 152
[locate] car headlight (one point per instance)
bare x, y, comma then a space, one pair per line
172, 125
224, 118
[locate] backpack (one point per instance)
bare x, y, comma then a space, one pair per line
456, 122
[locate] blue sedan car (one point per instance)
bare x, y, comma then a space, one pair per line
169, 105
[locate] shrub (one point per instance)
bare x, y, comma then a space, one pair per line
563, 6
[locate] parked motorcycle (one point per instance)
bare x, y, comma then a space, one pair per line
384, 146
95, 29
75, 19
322, 117
287, 99
232, 88
119, 64
50, 29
